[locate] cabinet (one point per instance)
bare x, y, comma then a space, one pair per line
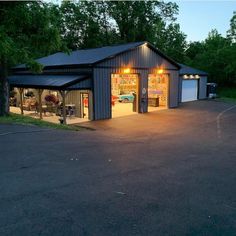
153, 102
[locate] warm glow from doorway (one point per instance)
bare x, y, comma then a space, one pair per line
127, 70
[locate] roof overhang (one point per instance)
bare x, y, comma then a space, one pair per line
58, 82
187, 70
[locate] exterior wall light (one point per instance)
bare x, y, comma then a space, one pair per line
160, 71
191, 76
197, 76
126, 71
185, 77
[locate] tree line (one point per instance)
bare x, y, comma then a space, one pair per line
30, 30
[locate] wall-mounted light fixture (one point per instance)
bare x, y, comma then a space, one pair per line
126, 70
160, 71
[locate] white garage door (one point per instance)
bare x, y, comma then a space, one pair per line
189, 90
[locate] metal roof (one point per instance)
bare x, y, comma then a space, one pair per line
45, 81
85, 56
187, 70
92, 56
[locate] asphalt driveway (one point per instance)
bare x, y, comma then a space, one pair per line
165, 173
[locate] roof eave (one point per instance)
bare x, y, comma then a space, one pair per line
200, 74
58, 87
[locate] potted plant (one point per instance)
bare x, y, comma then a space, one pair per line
51, 99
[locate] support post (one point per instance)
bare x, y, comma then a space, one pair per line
21, 90
40, 91
63, 95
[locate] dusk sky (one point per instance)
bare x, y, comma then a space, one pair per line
197, 18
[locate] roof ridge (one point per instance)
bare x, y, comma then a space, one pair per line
112, 45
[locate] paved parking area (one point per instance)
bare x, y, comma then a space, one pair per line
170, 172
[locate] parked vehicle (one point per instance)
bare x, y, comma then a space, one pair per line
211, 90
126, 98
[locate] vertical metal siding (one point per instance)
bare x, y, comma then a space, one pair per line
142, 57
90, 106
84, 84
143, 84
174, 89
202, 87
180, 88
73, 97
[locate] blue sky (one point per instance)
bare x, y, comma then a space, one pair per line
197, 18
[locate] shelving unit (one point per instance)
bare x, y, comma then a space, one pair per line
158, 89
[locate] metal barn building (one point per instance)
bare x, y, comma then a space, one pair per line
107, 82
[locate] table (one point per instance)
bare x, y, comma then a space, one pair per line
70, 109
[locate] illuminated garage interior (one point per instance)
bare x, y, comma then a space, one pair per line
158, 91
124, 94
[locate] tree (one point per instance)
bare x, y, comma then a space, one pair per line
86, 24
213, 55
171, 40
26, 32
193, 50
231, 33
136, 20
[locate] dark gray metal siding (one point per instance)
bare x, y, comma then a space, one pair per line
202, 87
141, 57
180, 88
84, 84
174, 89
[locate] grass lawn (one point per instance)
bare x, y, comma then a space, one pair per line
19, 119
227, 94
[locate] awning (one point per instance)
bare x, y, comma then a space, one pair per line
48, 81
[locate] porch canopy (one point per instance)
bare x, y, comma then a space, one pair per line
61, 83
53, 82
